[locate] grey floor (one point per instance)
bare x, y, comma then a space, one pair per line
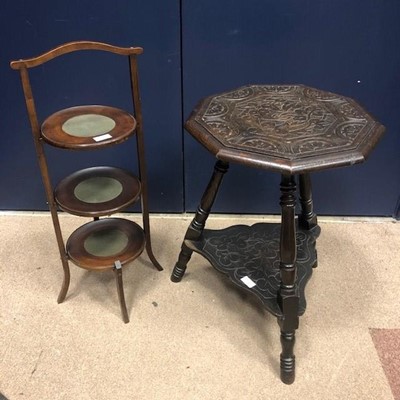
199, 339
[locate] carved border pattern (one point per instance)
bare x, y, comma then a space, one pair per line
288, 121
253, 251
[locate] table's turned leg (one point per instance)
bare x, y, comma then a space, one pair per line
307, 218
196, 227
288, 297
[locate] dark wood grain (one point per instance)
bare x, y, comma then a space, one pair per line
121, 295
71, 47
288, 295
67, 201
122, 126
253, 251
79, 255
294, 130
41, 157
53, 133
284, 128
137, 103
198, 223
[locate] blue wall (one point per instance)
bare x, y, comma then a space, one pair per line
348, 47
30, 28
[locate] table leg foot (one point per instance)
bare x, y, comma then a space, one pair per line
180, 266
287, 357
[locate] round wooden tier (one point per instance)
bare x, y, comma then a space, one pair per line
97, 191
98, 244
86, 127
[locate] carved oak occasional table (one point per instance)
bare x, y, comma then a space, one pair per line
293, 130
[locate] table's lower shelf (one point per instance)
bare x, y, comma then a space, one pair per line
253, 251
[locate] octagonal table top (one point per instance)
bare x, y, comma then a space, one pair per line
285, 128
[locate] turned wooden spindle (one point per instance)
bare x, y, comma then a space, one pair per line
288, 298
307, 218
197, 225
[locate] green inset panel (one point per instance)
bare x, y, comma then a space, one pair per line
88, 125
98, 189
106, 243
